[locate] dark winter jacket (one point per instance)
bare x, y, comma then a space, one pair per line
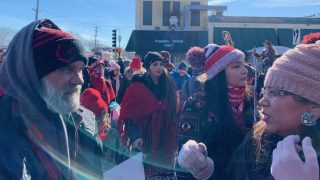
190, 87
252, 159
20, 154
124, 84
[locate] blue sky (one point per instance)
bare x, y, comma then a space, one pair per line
81, 16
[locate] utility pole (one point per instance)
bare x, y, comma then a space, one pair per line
95, 38
36, 10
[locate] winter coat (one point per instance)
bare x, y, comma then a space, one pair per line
178, 79
253, 163
124, 84
190, 87
21, 155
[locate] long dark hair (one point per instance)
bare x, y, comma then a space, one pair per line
168, 93
227, 134
218, 103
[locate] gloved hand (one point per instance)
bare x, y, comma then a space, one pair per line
286, 163
193, 157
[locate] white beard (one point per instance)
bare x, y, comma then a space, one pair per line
61, 101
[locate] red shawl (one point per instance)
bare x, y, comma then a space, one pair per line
106, 92
152, 117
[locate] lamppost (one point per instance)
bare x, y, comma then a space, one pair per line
119, 39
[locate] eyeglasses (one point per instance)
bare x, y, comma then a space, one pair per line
274, 93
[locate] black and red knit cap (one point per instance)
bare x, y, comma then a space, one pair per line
54, 49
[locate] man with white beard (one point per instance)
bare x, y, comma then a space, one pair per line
44, 132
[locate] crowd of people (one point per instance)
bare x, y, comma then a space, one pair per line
67, 116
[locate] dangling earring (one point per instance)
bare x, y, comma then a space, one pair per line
309, 119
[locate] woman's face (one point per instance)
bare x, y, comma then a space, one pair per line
156, 69
99, 69
236, 73
281, 112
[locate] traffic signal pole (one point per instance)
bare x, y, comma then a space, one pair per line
114, 39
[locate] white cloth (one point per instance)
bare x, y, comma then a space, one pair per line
131, 169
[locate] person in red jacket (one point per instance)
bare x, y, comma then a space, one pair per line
148, 110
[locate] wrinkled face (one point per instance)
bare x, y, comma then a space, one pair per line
281, 112
182, 72
60, 89
156, 69
236, 73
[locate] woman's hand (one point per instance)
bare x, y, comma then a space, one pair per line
286, 163
193, 157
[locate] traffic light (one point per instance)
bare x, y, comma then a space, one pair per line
114, 38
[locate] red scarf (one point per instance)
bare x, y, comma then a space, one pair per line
236, 98
97, 81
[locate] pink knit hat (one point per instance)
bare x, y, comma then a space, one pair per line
113, 65
219, 57
297, 71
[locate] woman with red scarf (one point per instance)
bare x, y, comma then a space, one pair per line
148, 110
98, 96
219, 116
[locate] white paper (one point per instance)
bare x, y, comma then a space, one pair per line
131, 169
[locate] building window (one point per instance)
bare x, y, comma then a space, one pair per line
166, 13
147, 12
195, 15
176, 10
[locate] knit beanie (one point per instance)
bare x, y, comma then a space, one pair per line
92, 100
151, 57
54, 49
310, 38
297, 71
196, 57
182, 65
166, 56
219, 57
113, 65
94, 65
92, 59
136, 63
